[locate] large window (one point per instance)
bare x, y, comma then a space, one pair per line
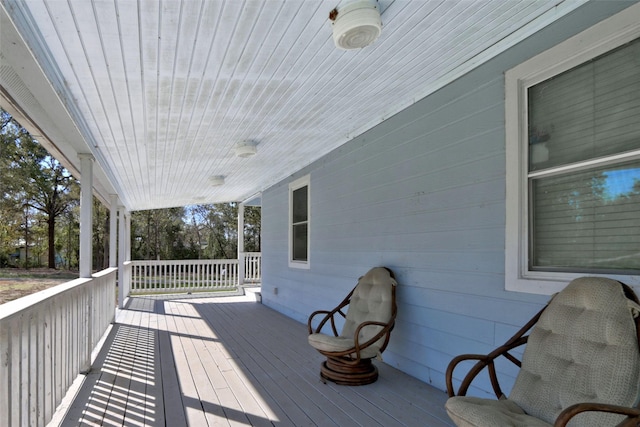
573, 161
299, 223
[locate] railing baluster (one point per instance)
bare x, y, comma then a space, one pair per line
192, 275
44, 339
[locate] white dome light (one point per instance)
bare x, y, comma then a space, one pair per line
357, 24
246, 148
216, 180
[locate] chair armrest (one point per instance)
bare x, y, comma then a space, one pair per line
328, 316
483, 360
633, 414
386, 329
486, 361
310, 319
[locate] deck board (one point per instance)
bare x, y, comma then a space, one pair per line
232, 362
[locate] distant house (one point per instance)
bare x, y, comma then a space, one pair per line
18, 257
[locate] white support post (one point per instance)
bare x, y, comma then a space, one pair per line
127, 243
113, 231
86, 214
121, 256
86, 246
240, 244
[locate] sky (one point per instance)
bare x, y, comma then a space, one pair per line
621, 181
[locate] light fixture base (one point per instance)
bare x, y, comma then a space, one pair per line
216, 180
357, 24
246, 149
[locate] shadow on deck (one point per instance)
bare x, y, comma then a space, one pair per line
231, 361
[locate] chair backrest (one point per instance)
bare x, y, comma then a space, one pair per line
373, 299
584, 348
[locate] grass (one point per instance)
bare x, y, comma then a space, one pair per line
16, 283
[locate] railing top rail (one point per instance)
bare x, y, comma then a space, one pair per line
14, 307
184, 262
105, 272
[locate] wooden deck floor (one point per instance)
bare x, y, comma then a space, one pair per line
230, 361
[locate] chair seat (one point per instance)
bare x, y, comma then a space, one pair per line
473, 411
366, 326
580, 366
328, 343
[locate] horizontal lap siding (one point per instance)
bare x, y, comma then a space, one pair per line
425, 198
424, 194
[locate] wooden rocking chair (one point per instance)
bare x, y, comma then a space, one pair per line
367, 327
580, 367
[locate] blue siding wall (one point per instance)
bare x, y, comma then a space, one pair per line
424, 194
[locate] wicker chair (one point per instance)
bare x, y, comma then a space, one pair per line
580, 366
367, 327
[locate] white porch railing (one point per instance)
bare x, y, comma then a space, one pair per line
46, 340
252, 267
180, 276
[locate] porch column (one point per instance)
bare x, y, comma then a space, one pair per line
240, 244
113, 231
122, 276
127, 253
86, 215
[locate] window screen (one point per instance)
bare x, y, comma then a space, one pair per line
584, 176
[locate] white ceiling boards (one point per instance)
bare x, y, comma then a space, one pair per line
162, 92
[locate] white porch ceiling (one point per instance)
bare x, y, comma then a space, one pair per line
161, 91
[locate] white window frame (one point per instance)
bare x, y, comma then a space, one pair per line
299, 183
595, 41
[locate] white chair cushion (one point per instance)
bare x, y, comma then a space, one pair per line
583, 349
371, 301
474, 411
324, 342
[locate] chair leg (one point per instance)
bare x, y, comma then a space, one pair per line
341, 371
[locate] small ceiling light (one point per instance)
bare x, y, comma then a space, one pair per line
246, 148
356, 24
216, 180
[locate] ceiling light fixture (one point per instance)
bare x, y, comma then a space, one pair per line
216, 180
356, 24
246, 148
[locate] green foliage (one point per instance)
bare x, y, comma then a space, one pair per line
157, 234
40, 211
193, 232
36, 189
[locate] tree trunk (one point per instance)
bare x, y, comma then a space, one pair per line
26, 238
106, 243
51, 222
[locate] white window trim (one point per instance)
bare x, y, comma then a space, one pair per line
597, 40
298, 183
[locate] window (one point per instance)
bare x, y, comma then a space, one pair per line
573, 160
299, 223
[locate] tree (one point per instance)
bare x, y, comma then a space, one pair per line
220, 224
47, 185
40, 202
252, 228
158, 234
68, 237
100, 236
32, 180
194, 232
10, 210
